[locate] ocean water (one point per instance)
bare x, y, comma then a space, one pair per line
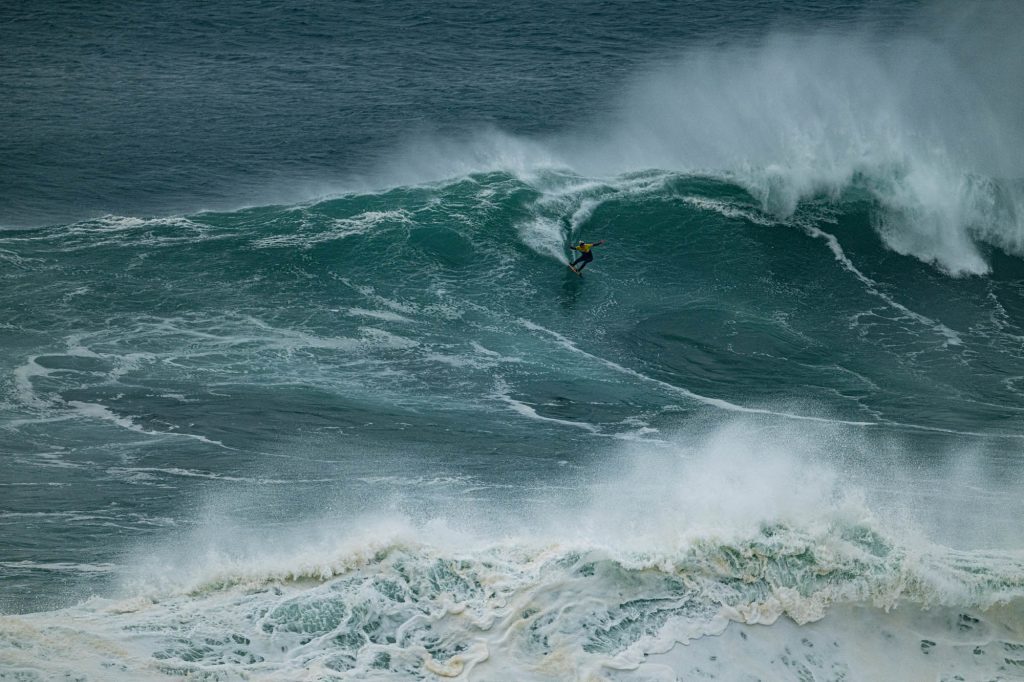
295, 384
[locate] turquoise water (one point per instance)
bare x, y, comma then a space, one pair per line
371, 426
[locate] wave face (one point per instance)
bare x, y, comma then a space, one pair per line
391, 435
901, 122
773, 432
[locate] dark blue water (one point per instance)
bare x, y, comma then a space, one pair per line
156, 108
295, 384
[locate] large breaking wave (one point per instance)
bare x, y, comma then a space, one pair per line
926, 125
702, 546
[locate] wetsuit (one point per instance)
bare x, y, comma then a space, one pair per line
585, 255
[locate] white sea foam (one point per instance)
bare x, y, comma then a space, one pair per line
502, 393
923, 124
952, 338
371, 294
679, 390
731, 210
337, 228
385, 315
730, 541
18, 261
130, 231
23, 378
58, 566
104, 413
806, 115
548, 228
383, 339
32, 485
148, 473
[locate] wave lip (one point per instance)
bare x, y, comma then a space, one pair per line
902, 119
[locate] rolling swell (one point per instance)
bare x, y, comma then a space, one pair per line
727, 301
710, 428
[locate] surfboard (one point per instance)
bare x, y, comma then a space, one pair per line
576, 271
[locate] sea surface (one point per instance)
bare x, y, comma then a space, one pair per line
295, 383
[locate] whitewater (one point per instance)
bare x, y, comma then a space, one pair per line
347, 415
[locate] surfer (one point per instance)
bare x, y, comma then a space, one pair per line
585, 255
